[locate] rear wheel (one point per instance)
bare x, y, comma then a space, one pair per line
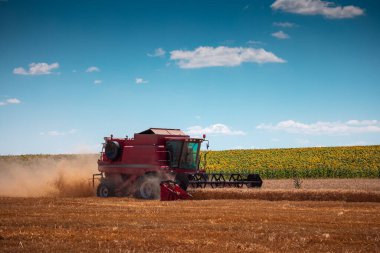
148, 187
105, 190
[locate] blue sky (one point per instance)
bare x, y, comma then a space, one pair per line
249, 74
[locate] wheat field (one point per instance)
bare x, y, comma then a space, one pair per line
129, 225
47, 204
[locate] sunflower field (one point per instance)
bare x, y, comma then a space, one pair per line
319, 162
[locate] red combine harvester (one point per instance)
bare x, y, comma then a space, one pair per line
159, 157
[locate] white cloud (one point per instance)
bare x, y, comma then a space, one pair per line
10, 101
280, 35
92, 69
159, 52
41, 68
317, 7
97, 81
329, 128
284, 24
227, 42
59, 133
55, 133
139, 80
362, 122
13, 101
255, 42
221, 56
216, 129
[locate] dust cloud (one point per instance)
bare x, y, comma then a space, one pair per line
44, 175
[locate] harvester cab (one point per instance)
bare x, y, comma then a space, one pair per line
138, 166
183, 154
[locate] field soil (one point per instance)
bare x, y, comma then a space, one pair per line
47, 204
129, 225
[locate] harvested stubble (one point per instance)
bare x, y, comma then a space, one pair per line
291, 195
128, 225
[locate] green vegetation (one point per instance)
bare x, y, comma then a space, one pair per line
326, 162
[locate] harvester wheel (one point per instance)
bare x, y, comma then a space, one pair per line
148, 187
256, 180
104, 190
182, 180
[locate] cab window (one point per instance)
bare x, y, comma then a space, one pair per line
174, 148
189, 158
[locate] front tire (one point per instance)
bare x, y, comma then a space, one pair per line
104, 190
148, 187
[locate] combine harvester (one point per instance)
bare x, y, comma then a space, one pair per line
159, 161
